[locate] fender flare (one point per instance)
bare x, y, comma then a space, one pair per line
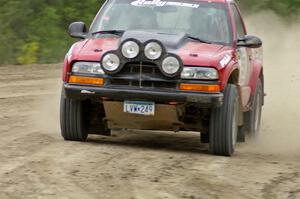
227, 72
256, 74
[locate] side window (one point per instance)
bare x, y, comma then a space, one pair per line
238, 22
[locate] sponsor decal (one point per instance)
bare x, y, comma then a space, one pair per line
160, 3
225, 60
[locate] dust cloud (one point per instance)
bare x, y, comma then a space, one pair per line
46, 118
281, 116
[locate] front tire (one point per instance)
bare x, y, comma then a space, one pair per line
73, 123
224, 124
253, 117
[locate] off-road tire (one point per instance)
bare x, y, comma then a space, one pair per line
253, 117
73, 124
95, 116
224, 123
241, 134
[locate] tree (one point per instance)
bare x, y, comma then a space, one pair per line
35, 31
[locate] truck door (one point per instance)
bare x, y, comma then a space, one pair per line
244, 57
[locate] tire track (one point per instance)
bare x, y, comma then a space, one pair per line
273, 189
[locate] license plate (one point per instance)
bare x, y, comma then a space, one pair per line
139, 107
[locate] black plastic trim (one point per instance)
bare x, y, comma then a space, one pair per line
81, 92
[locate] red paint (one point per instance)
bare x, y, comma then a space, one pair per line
255, 75
88, 50
192, 54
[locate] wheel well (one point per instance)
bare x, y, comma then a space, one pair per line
234, 77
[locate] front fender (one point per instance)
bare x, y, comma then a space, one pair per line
256, 73
226, 72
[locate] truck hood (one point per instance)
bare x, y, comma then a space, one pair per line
191, 52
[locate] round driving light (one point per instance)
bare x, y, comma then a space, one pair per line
110, 62
171, 65
130, 49
153, 50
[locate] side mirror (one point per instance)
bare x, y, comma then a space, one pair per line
249, 41
78, 30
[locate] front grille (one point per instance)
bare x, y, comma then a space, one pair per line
142, 75
147, 68
143, 84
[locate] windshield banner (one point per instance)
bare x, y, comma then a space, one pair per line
160, 3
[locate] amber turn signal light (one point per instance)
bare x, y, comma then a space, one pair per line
200, 87
86, 80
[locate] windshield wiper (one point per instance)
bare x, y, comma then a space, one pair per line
198, 39
113, 32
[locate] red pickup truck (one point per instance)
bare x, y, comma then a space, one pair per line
174, 65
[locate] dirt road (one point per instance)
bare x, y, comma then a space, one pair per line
36, 163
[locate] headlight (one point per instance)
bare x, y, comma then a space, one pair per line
153, 50
111, 62
171, 65
87, 67
130, 49
199, 73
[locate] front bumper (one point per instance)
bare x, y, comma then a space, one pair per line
89, 92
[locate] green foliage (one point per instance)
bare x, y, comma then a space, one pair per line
28, 53
35, 31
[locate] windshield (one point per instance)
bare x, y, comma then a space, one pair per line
203, 20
